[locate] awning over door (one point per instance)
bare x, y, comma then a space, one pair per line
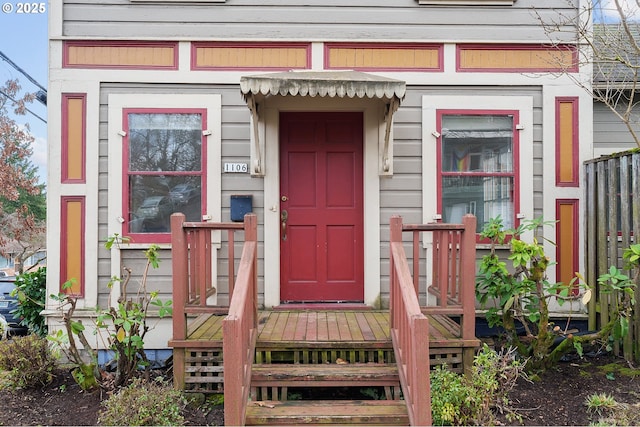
332, 84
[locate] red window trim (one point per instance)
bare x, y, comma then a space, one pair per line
516, 158
158, 237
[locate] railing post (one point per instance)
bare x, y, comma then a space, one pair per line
233, 363
251, 235
395, 235
468, 287
179, 260
421, 384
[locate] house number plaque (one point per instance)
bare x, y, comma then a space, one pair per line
236, 168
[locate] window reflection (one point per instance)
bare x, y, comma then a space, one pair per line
477, 168
164, 169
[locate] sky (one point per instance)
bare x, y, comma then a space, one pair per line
23, 39
609, 11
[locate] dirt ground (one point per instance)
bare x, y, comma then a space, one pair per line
557, 398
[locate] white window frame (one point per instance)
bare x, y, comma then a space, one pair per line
430, 106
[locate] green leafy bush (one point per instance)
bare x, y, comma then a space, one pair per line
143, 403
519, 294
28, 362
31, 290
471, 400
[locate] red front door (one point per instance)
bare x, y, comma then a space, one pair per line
321, 206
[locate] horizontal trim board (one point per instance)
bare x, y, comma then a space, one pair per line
516, 58
384, 56
250, 56
120, 54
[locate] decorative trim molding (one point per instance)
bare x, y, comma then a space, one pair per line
384, 57
567, 141
138, 55
74, 121
250, 56
512, 58
567, 232
72, 243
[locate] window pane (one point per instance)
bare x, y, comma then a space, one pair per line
165, 142
485, 197
473, 143
154, 198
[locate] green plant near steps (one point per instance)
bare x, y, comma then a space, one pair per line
31, 290
519, 295
144, 403
473, 399
124, 324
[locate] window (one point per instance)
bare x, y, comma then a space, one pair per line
477, 160
164, 170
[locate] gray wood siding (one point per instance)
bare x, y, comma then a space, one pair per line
402, 193
609, 133
235, 148
402, 20
399, 194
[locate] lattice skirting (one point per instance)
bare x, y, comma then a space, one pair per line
203, 370
451, 356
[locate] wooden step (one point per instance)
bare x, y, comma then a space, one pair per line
333, 412
325, 375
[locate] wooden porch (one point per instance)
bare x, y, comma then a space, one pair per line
270, 356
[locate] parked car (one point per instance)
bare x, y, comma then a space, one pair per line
155, 207
8, 303
183, 193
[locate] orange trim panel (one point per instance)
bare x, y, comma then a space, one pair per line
384, 57
136, 55
567, 142
511, 58
72, 244
73, 137
567, 241
242, 56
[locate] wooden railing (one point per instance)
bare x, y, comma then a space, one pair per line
194, 283
409, 333
453, 267
239, 330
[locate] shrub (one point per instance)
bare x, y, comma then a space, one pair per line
471, 400
31, 290
28, 361
143, 403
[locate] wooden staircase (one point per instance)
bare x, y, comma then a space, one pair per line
338, 391
263, 359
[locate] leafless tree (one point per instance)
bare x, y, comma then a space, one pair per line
608, 34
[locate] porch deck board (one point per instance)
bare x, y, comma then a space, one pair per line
352, 326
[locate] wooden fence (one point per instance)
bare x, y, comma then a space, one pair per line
612, 206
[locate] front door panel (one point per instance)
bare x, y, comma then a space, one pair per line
322, 248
